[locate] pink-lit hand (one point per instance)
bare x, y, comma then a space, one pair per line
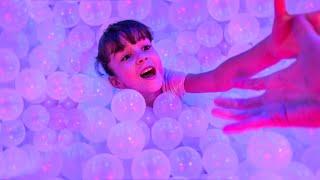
292, 96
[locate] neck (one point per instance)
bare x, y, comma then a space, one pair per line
150, 97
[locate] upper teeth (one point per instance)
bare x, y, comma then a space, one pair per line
146, 70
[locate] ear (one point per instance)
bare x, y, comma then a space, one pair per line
115, 82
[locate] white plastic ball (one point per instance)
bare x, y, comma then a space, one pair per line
194, 122
150, 164
187, 14
126, 140
209, 33
149, 117
260, 8
166, 133
16, 41
223, 10
209, 58
128, 105
31, 84
16, 162
81, 38
11, 104
43, 59
185, 162
187, 42
103, 166
74, 158
51, 164
167, 105
220, 158
98, 123
212, 136
58, 118
57, 85
45, 140
243, 28
50, 33
138, 9
266, 148
13, 15
66, 13
94, 13
80, 88
9, 65
12, 133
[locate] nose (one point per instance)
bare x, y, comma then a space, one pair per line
141, 59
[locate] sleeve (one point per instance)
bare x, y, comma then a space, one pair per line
174, 82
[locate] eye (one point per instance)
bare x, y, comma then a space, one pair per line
126, 57
146, 47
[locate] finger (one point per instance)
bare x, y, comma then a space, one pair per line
280, 8
303, 29
314, 19
226, 114
246, 125
239, 103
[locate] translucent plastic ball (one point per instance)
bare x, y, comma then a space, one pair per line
167, 133
39, 11
51, 164
16, 162
31, 84
58, 118
102, 92
185, 162
166, 49
126, 140
220, 158
158, 17
297, 170
95, 13
260, 8
103, 166
66, 13
212, 136
185, 63
2, 164
138, 9
16, 41
76, 117
43, 59
149, 117
266, 148
98, 123
187, 42
12, 133
194, 122
128, 105
243, 28
80, 88
74, 159
150, 164
68, 104
81, 38
306, 136
308, 157
50, 33
11, 104
209, 33
167, 105
13, 15
265, 175
69, 59
187, 14
45, 140
9, 65
34, 158
223, 10
65, 138
57, 85
146, 130
209, 58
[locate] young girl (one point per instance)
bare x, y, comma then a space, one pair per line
127, 55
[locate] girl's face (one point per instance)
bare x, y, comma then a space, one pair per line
137, 66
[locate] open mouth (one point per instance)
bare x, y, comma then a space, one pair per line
148, 72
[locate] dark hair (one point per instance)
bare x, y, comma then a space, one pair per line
112, 41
